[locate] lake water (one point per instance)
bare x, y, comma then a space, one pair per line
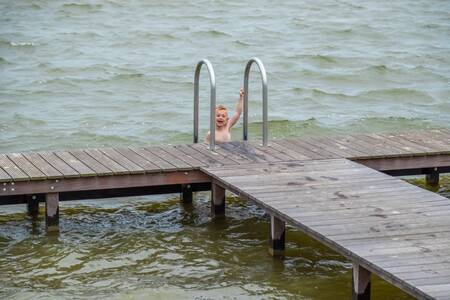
113, 73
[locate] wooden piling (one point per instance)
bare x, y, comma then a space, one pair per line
217, 200
186, 193
433, 177
32, 206
277, 236
360, 283
52, 212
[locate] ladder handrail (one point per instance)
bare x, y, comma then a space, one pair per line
262, 70
212, 82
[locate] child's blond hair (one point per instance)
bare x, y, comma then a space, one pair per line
221, 107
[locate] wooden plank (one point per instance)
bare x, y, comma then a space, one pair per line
331, 145
312, 151
154, 159
105, 161
59, 164
214, 155
173, 160
4, 177
27, 167
206, 160
368, 148
405, 143
279, 155
146, 165
49, 171
108, 182
423, 138
92, 163
287, 151
240, 152
288, 144
388, 148
192, 161
120, 159
252, 153
14, 171
75, 164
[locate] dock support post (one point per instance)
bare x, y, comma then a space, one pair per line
433, 177
360, 283
32, 206
186, 193
277, 236
217, 200
52, 212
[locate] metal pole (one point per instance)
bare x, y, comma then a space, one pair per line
262, 71
212, 82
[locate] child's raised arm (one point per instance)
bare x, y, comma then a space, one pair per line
238, 111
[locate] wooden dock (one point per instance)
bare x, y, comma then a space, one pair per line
329, 187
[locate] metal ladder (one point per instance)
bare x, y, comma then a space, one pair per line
212, 81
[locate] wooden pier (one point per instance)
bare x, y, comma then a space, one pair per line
337, 190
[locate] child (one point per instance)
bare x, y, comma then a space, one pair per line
223, 124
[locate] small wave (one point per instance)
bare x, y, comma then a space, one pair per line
387, 124
241, 43
212, 33
314, 92
22, 121
403, 93
35, 6
153, 35
18, 44
4, 62
82, 6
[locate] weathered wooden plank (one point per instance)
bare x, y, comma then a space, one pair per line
49, 171
322, 143
206, 160
250, 152
75, 164
287, 151
406, 163
59, 164
173, 160
312, 150
269, 149
385, 146
352, 141
406, 144
120, 159
146, 165
92, 163
214, 155
294, 148
154, 159
437, 143
4, 177
14, 171
192, 161
106, 161
27, 167
227, 150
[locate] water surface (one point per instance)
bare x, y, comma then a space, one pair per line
78, 74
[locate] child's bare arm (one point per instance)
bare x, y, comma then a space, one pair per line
238, 111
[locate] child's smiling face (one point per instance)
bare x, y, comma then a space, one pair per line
221, 117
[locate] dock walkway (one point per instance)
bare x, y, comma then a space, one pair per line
386, 226
329, 187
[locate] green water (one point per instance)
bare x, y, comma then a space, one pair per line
78, 74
